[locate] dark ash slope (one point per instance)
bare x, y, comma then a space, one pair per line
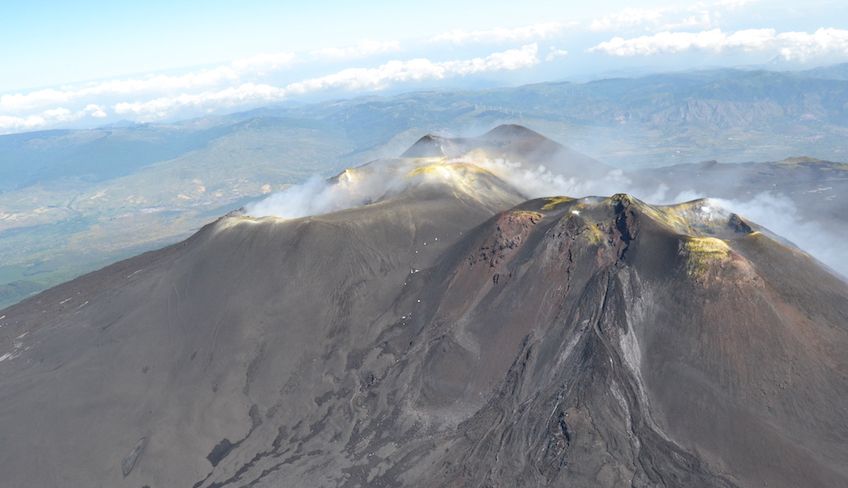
435, 339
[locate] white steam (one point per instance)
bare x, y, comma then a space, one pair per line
780, 215
379, 180
540, 181
373, 182
319, 196
314, 196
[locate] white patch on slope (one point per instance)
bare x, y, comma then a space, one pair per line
622, 403
629, 343
18, 347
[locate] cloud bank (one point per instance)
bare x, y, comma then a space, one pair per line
233, 72
150, 84
361, 50
700, 15
352, 79
532, 32
158, 96
50, 117
789, 45
555, 53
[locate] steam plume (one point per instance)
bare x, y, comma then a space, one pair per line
384, 178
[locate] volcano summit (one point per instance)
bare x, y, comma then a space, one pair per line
443, 330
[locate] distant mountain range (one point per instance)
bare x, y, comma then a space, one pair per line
72, 200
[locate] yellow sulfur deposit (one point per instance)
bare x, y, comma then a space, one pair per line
528, 214
553, 202
701, 252
594, 234
671, 216
447, 169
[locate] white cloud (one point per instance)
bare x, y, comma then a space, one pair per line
697, 20
732, 4
417, 70
9, 123
803, 45
701, 14
263, 63
349, 79
627, 18
95, 111
161, 107
23, 101
500, 34
675, 42
790, 45
18, 102
228, 83
57, 115
157, 96
555, 53
361, 50
698, 15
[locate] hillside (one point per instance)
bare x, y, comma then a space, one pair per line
448, 333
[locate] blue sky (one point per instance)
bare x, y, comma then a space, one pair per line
85, 63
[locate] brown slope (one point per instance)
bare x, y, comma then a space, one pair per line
593, 342
185, 352
608, 348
